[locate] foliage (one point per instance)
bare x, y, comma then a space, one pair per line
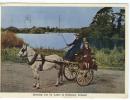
41, 30
107, 58
107, 29
102, 23
9, 40
10, 54
12, 29
106, 23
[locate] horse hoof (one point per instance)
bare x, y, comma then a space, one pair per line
56, 85
35, 77
61, 83
34, 86
37, 87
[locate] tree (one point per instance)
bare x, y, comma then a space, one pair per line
13, 29
106, 26
121, 22
102, 23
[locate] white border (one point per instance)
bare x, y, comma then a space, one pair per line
74, 1
69, 1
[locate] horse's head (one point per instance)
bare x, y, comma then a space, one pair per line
23, 51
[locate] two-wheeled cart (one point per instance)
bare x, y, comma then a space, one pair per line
84, 77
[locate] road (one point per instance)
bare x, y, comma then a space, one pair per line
17, 77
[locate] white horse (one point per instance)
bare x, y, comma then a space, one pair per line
39, 63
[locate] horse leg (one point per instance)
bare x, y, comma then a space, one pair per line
37, 79
58, 78
34, 77
61, 75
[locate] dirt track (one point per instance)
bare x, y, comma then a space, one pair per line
18, 78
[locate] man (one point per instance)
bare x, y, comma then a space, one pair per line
76, 44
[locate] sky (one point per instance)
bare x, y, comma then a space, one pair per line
70, 17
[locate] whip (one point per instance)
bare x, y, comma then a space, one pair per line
63, 38
61, 33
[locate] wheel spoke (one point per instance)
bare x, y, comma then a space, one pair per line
84, 80
69, 73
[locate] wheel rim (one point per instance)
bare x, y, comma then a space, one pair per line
70, 71
84, 79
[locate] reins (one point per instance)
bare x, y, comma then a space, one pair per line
33, 59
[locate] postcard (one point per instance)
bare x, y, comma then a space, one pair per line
64, 50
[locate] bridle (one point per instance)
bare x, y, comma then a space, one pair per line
23, 50
34, 57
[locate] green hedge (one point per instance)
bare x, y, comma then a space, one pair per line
114, 59
105, 58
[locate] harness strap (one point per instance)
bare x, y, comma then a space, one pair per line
43, 61
33, 59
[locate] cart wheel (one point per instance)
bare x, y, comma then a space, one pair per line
84, 77
70, 71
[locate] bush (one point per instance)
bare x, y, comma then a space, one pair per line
8, 40
111, 58
10, 54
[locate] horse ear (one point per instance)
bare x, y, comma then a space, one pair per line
23, 44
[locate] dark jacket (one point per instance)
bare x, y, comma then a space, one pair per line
76, 44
